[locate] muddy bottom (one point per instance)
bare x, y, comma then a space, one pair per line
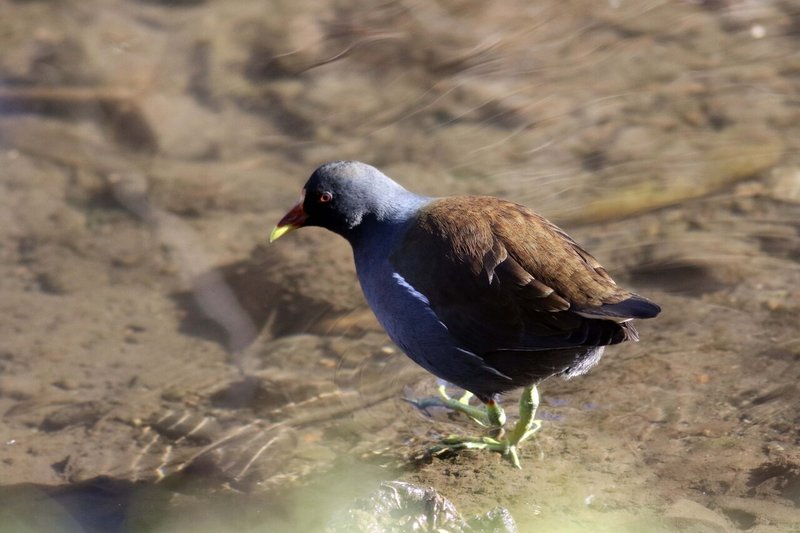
163, 369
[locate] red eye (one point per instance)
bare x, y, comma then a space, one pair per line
325, 197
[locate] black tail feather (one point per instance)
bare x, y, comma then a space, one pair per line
634, 307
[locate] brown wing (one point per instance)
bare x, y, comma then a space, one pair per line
501, 277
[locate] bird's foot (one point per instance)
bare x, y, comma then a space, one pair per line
501, 446
524, 429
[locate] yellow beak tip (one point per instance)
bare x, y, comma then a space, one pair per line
280, 231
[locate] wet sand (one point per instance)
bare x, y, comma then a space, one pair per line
162, 368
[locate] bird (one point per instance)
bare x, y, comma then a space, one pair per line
480, 291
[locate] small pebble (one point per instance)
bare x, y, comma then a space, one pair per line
65, 384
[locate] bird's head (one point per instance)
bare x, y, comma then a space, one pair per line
340, 196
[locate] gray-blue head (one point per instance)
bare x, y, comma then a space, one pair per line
342, 195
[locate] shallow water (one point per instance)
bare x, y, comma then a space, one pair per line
162, 368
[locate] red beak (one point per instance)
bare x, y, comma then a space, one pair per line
295, 218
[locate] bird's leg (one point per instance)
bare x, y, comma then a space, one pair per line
525, 427
496, 415
491, 417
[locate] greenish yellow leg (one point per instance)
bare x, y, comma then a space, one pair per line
526, 425
492, 416
496, 415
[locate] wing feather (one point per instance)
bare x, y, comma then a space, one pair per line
501, 277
